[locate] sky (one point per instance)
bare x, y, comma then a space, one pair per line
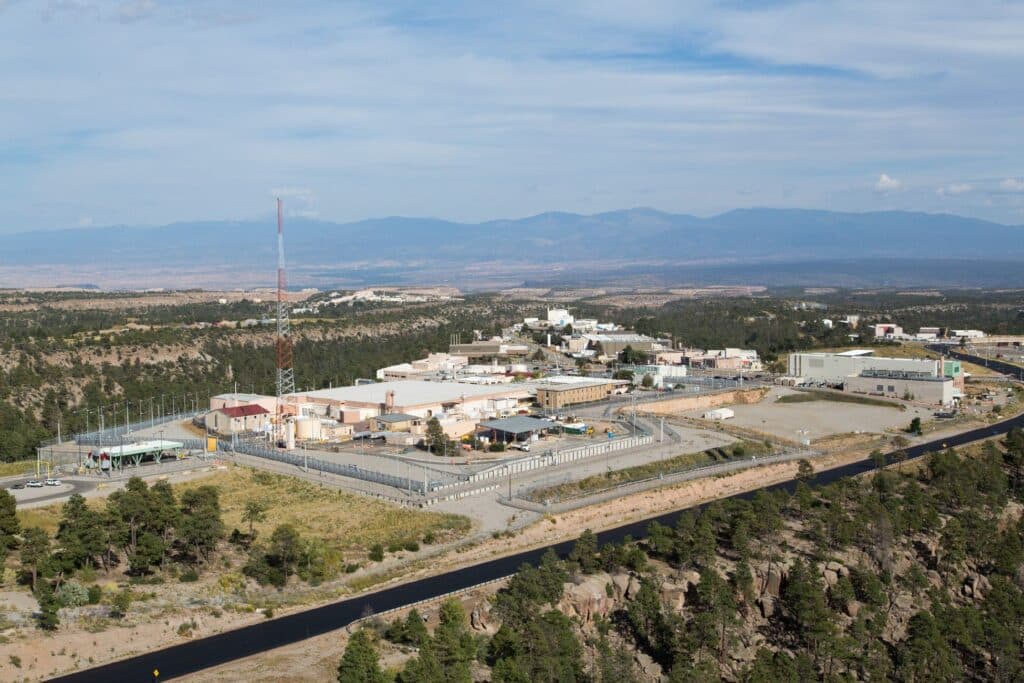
148, 112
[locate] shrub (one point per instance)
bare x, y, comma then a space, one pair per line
189, 576
377, 553
429, 538
268, 613
738, 452
352, 567
185, 628
95, 594
15, 661
121, 601
496, 447
73, 594
412, 546
394, 547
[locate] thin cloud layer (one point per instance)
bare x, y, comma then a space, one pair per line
148, 112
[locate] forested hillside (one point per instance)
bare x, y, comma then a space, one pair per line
914, 573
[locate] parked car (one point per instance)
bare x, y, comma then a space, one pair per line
34, 484
19, 486
53, 482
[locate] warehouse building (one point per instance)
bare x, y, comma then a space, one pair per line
900, 384
416, 398
561, 392
834, 368
613, 343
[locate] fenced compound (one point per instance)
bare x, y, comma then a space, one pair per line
430, 481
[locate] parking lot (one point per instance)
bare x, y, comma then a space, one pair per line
819, 418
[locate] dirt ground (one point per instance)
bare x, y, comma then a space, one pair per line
819, 418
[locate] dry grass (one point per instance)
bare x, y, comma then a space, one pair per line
343, 520
17, 469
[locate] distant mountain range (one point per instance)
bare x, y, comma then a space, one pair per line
419, 249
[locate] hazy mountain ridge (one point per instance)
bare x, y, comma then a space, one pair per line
632, 235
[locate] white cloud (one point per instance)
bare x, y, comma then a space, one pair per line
84, 222
886, 184
446, 109
954, 189
1012, 185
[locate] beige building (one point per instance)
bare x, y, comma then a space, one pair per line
909, 385
237, 399
558, 395
238, 419
412, 397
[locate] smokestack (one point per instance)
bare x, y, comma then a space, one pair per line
389, 401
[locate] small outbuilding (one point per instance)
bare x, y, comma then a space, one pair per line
517, 428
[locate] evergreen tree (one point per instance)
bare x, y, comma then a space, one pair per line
453, 644
360, 663
584, 553
35, 552
10, 527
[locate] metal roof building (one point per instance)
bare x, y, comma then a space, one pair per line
517, 427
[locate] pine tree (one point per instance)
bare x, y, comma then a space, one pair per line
360, 662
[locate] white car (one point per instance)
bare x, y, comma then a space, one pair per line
34, 484
53, 482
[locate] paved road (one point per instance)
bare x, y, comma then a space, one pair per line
25, 497
999, 366
186, 658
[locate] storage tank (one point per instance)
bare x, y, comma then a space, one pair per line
719, 414
307, 428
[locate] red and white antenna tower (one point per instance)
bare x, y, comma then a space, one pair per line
285, 370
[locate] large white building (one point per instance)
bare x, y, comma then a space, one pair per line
834, 368
434, 363
421, 399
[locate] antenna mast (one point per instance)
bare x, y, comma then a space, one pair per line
285, 371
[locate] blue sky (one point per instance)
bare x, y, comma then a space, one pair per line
154, 111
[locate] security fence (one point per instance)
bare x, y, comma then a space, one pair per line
432, 480
114, 436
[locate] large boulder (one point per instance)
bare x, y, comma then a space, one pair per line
690, 578
853, 609
772, 582
766, 604
620, 583
673, 597
586, 599
975, 586
479, 618
837, 567
831, 577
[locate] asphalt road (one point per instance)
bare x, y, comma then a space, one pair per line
49, 495
186, 658
991, 363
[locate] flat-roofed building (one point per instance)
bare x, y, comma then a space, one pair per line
396, 422
515, 428
419, 398
560, 392
613, 343
834, 368
898, 384
241, 399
